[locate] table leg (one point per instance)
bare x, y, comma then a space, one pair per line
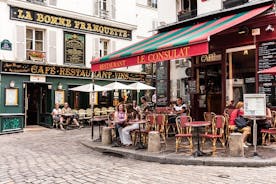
92, 129
198, 153
140, 144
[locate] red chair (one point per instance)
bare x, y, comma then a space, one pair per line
218, 124
183, 133
160, 122
271, 131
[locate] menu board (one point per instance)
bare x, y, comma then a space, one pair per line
162, 96
267, 59
254, 105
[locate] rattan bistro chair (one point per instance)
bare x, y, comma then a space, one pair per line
217, 133
183, 133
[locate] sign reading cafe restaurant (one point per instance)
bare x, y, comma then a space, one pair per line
63, 71
68, 23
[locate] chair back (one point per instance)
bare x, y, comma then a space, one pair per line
208, 116
81, 113
151, 121
111, 109
88, 112
160, 121
181, 125
273, 115
97, 111
218, 125
104, 111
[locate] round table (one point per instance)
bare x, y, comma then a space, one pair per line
197, 125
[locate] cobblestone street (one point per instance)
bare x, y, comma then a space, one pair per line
53, 156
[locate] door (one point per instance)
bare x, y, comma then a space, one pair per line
37, 104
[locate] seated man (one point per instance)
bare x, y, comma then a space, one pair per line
67, 110
57, 118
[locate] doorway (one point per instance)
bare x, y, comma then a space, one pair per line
37, 103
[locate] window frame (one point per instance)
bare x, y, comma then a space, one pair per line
34, 40
104, 50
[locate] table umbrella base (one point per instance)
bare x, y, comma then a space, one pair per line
140, 146
97, 140
199, 153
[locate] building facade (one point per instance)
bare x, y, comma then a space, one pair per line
47, 47
235, 55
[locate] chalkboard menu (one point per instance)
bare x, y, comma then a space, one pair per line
162, 81
267, 59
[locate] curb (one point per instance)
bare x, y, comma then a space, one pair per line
167, 159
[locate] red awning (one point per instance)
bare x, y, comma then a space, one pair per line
271, 70
179, 43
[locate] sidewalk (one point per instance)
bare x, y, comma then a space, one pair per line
266, 155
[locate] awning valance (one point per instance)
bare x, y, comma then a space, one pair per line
179, 43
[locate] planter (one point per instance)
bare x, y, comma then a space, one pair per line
36, 58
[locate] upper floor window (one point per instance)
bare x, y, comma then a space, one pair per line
37, 1
152, 3
233, 3
35, 43
104, 47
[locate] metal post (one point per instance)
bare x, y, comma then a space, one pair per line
255, 136
92, 106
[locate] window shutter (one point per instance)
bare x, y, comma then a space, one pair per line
52, 47
96, 7
53, 2
113, 45
113, 9
20, 43
96, 47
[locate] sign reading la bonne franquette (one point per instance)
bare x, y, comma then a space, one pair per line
68, 23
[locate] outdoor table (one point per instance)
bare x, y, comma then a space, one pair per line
140, 144
67, 115
197, 125
98, 119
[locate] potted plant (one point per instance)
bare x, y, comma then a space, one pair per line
36, 56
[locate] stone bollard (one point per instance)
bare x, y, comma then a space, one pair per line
236, 145
106, 136
154, 142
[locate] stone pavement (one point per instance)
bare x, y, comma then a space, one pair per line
40, 155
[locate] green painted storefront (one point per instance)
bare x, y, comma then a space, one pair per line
32, 97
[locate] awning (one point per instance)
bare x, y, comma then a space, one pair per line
179, 43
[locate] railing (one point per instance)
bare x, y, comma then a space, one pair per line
186, 14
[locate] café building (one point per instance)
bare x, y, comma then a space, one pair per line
45, 51
227, 49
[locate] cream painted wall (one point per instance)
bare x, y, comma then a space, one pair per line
208, 6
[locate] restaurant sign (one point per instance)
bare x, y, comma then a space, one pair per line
32, 16
63, 71
175, 53
74, 48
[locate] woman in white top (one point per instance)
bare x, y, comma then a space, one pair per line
56, 114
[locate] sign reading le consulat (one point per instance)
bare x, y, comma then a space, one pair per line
64, 71
68, 23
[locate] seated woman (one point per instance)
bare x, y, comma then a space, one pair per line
246, 131
66, 109
132, 115
145, 108
120, 118
178, 109
57, 118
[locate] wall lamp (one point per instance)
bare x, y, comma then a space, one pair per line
269, 28
12, 83
49, 86
243, 30
59, 86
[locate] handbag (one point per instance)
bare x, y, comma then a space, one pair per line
240, 121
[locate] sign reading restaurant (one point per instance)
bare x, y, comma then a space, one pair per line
63, 71
68, 23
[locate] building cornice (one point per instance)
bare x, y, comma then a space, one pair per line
70, 14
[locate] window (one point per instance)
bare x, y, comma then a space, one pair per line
37, 1
104, 47
103, 9
152, 3
178, 87
34, 42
